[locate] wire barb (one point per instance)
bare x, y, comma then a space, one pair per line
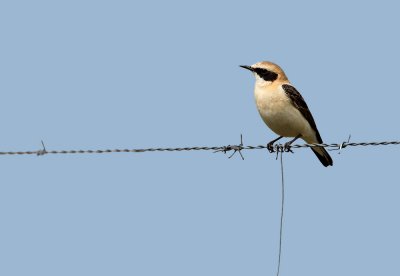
235, 148
43, 151
342, 145
279, 148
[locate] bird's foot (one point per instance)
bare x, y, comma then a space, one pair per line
270, 147
287, 147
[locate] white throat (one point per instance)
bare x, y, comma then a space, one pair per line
261, 82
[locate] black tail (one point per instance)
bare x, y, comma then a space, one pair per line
323, 156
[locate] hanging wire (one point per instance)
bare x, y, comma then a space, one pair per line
282, 209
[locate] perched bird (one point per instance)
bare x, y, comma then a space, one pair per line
283, 109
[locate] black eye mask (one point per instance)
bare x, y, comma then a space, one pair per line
265, 74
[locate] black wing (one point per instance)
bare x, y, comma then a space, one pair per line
300, 104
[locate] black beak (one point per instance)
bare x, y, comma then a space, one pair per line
247, 67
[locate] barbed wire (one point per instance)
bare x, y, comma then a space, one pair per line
277, 148
235, 148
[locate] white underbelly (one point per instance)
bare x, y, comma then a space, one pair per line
288, 123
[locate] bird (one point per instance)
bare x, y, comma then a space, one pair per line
284, 110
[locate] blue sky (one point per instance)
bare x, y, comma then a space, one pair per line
124, 74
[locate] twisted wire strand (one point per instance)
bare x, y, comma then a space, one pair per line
235, 148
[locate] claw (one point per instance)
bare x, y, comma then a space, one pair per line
287, 147
270, 147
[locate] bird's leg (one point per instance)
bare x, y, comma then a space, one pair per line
286, 147
270, 145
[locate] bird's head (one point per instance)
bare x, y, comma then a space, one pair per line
266, 72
